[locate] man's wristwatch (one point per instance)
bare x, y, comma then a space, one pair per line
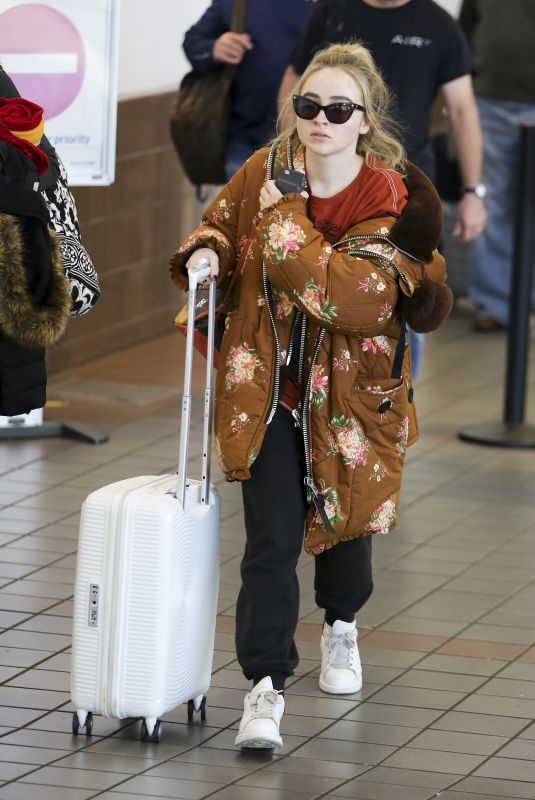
480, 190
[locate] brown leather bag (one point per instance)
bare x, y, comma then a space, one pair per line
199, 118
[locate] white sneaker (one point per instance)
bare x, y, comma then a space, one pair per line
263, 708
341, 671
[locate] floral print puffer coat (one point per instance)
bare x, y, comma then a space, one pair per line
357, 419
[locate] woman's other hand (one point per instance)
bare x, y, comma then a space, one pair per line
205, 254
231, 47
269, 194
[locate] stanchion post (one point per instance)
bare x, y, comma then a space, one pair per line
521, 282
512, 432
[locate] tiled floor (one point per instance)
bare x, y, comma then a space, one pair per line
448, 639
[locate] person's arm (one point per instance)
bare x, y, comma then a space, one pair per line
341, 292
466, 132
217, 231
209, 42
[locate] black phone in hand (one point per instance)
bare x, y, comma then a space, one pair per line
289, 180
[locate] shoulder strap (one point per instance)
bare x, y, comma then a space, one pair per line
400, 348
238, 16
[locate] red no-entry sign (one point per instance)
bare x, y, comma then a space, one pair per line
44, 54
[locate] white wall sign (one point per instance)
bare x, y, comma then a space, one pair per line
63, 54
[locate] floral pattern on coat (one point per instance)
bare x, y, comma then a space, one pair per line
240, 420
372, 283
383, 518
283, 237
222, 211
385, 313
319, 386
403, 436
343, 361
347, 438
379, 472
283, 305
313, 298
241, 364
376, 344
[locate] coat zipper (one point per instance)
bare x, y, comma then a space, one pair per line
377, 256
295, 322
276, 376
302, 418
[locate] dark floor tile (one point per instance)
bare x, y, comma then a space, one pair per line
336, 750
453, 795
498, 706
512, 769
488, 724
73, 778
455, 742
19, 791
209, 773
419, 698
247, 759
42, 679
340, 770
28, 755
167, 787
254, 793
361, 789
433, 761
10, 772
31, 698
101, 762
394, 715
496, 786
19, 602
393, 776
268, 778
357, 731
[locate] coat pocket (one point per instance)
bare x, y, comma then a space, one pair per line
382, 403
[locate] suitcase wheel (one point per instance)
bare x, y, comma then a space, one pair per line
88, 723
154, 735
198, 704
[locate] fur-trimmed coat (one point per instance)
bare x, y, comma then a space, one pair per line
35, 296
357, 419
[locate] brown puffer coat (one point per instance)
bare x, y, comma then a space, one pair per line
357, 419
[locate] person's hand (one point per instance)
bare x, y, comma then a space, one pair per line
471, 217
231, 47
269, 194
205, 253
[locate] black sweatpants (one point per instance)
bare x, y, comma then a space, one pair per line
268, 603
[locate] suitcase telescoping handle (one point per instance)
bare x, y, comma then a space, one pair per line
196, 275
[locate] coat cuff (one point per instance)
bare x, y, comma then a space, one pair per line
204, 236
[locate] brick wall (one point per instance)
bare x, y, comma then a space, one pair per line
130, 230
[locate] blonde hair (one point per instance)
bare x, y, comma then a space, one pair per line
381, 141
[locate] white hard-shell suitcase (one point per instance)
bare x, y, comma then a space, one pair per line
147, 580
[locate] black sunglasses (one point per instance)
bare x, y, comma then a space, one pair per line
338, 113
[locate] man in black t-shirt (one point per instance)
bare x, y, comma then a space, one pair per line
420, 49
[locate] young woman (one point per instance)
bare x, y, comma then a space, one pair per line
314, 406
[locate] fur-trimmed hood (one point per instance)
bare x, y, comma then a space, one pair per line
35, 297
417, 233
419, 228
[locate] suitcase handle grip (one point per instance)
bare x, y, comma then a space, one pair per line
196, 275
